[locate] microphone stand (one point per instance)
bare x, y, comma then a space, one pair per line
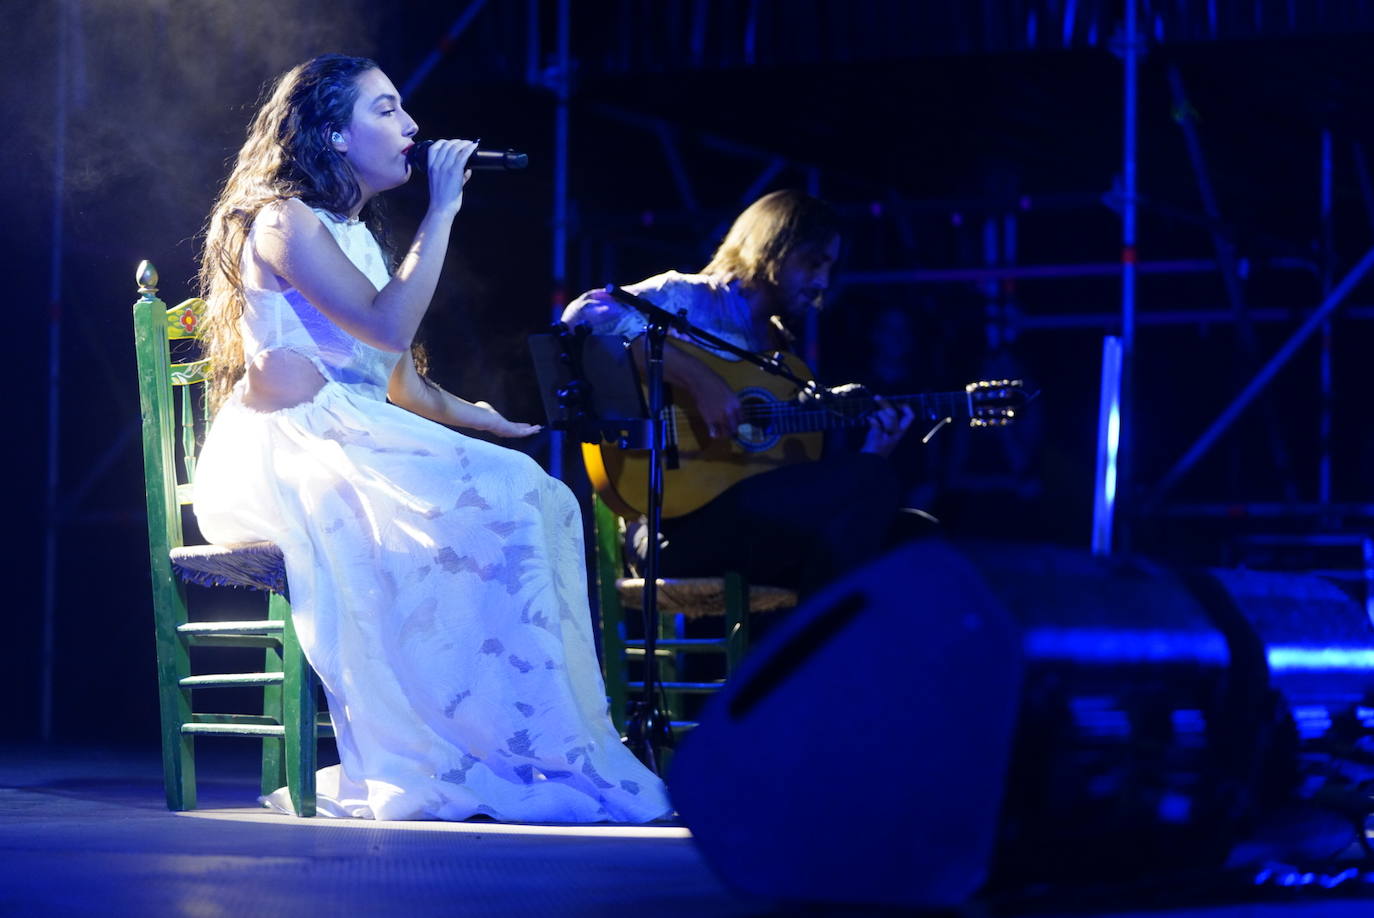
647, 728
677, 321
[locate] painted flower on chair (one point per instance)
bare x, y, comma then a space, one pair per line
182, 321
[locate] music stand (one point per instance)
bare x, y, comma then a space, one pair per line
591, 390
582, 378
589, 386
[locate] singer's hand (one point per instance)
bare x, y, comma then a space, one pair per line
448, 173
495, 422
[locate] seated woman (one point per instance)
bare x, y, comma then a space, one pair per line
437, 581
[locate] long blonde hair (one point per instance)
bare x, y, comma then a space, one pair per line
287, 155
767, 232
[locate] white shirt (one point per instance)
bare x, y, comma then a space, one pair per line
711, 303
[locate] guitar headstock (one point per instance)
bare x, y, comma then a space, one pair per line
994, 402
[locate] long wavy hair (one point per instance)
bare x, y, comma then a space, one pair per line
770, 230
287, 155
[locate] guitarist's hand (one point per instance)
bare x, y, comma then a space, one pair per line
886, 427
716, 403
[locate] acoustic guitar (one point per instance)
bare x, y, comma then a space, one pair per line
777, 429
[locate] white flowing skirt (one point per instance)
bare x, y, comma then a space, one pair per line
438, 588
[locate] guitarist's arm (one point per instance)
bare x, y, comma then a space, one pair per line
716, 402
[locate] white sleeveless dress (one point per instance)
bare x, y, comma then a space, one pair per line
437, 585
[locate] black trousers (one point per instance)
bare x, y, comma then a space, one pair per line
800, 526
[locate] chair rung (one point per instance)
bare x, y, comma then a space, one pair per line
688, 687
234, 729
261, 720
259, 726
685, 645
216, 680
321, 719
258, 627
261, 641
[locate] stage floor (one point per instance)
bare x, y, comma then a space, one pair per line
87, 832
84, 831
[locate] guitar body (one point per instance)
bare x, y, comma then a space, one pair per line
777, 431
705, 467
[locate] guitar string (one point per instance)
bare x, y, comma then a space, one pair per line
779, 414
790, 417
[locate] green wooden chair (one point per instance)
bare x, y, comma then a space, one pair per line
290, 722
727, 597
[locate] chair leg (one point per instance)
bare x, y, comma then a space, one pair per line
614, 665
670, 664
273, 747
736, 621
609, 567
298, 714
173, 664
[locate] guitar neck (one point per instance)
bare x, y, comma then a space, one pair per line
839, 413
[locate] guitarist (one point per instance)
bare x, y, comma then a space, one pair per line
799, 525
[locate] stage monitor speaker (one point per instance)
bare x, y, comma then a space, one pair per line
822, 772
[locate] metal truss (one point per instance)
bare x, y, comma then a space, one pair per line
535, 42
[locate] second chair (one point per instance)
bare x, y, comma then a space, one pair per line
680, 600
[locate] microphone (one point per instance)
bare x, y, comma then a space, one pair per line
504, 161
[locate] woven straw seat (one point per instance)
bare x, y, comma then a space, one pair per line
696, 597
254, 565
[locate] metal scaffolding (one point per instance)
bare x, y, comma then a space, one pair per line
683, 40
675, 36
68, 22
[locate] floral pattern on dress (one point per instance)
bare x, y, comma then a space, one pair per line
438, 588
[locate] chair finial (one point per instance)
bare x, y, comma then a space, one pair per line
146, 278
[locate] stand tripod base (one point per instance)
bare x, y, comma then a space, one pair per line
648, 732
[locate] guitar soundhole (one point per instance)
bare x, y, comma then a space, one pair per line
758, 431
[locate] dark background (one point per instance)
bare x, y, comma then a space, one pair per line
931, 126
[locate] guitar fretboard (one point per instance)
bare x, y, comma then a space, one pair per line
840, 412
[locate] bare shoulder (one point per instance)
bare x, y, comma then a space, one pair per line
290, 217
286, 231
